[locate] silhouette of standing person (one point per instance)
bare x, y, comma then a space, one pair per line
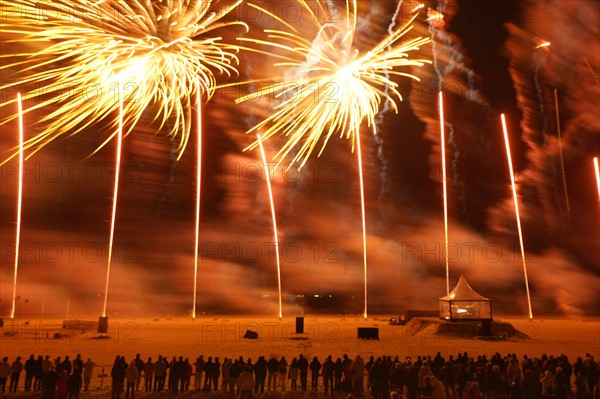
15, 372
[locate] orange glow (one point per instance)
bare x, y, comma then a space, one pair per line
19, 204
443, 146
114, 206
275, 234
514, 190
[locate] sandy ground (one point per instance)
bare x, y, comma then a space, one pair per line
222, 336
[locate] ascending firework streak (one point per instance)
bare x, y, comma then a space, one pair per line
364, 221
198, 184
275, 234
82, 54
518, 217
443, 146
560, 151
597, 175
114, 205
19, 203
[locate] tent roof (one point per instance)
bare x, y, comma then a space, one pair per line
463, 292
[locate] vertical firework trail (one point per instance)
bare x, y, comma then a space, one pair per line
19, 204
597, 170
560, 151
518, 217
444, 180
198, 192
455, 63
114, 205
364, 222
273, 217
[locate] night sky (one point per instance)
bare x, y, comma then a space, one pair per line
486, 55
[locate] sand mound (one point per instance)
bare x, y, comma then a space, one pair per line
461, 329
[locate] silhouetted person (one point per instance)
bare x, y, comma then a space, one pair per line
5, 372
139, 364
29, 368
148, 374
117, 374
38, 374
15, 372
303, 368
293, 374
131, 375
282, 370
198, 373
260, 375
49, 386
88, 372
273, 369
246, 383
315, 368
62, 385
328, 371
75, 383
160, 372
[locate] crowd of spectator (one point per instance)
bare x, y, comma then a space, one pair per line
384, 377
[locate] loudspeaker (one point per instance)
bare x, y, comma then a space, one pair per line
299, 325
102, 325
368, 333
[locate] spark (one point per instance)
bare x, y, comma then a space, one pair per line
518, 217
114, 204
540, 43
560, 151
273, 217
88, 53
198, 184
335, 86
19, 202
443, 146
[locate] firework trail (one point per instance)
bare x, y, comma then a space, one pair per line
114, 204
274, 219
560, 150
517, 214
594, 75
437, 32
150, 52
198, 192
538, 58
19, 203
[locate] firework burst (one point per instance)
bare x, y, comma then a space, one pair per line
85, 55
335, 86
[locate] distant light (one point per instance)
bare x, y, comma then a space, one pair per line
462, 311
316, 295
